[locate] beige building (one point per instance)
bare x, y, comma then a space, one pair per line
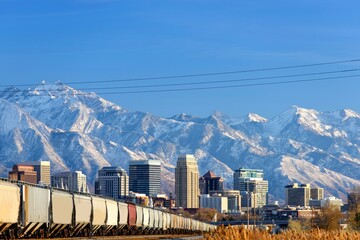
187, 182
72, 181
42, 169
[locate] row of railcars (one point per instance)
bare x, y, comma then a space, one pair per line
33, 211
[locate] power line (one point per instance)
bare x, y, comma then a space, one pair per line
231, 86
197, 75
218, 87
210, 82
221, 81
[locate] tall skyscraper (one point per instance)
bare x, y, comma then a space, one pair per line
210, 182
252, 186
23, 173
145, 176
72, 181
42, 169
187, 182
112, 182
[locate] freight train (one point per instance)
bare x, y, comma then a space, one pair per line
28, 210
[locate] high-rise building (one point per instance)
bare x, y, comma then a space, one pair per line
145, 176
210, 182
297, 195
42, 169
187, 182
252, 186
112, 182
23, 173
72, 181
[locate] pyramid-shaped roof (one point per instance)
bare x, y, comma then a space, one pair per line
209, 174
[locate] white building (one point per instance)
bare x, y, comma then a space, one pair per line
234, 199
216, 201
326, 202
72, 181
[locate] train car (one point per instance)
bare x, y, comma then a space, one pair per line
146, 219
35, 211
164, 222
61, 213
139, 218
111, 217
156, 222
160, 221
182, 225
132, 218
151, 219
173, 223
186, 224
98, 215
168, 222
9, 208
82, 205
123, 216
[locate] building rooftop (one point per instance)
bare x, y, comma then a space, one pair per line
146, 162
210, 174
187, 157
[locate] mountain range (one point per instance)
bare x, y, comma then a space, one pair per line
78, 130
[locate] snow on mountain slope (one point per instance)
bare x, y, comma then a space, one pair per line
80, 131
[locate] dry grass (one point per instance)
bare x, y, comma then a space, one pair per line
240, 233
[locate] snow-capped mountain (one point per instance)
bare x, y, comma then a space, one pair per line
80, 131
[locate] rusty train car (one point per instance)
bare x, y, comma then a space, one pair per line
28, 210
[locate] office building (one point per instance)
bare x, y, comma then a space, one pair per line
187, 182
72, 181
253, 188
233, 197
217, 201
316, 193
297, 195
23, 173
332, 202
145, 176
42, 169
354, 200
112, 182
210, 182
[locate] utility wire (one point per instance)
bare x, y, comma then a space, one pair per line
196, 75
216, 87
219, 81
208, 82
232, 86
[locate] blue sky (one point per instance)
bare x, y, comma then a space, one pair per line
91, 40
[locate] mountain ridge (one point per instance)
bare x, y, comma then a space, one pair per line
82, 131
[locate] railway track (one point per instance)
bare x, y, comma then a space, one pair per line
138, 237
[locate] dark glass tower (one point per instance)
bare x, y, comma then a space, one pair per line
145, 176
